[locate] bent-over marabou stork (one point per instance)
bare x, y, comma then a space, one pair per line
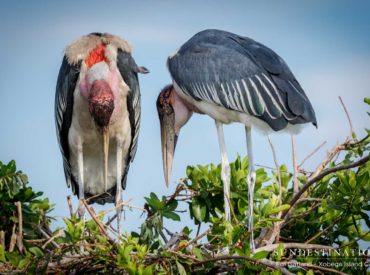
97, 114
231, 78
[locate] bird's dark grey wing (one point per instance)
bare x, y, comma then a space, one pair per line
240, 74
66, 84
128, 69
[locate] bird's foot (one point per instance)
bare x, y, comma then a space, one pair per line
119, 209
81, 210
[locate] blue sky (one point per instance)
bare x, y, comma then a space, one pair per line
325, 43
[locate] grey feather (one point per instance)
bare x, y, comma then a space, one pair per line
128, 69
63, 108
267, 88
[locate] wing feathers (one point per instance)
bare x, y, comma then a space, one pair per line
242, 75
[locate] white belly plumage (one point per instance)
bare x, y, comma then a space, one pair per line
83, 130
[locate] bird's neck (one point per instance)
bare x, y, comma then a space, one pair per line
183, 111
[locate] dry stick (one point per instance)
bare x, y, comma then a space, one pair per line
2, 238
98, 223
51, 239
311, 154
318, 177
13, 240
348, 117
276, 229
277, 167
70, 207
295, 166
198, 237
318, 234
20, 226
48, 236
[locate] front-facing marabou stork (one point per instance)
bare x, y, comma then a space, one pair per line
97, 115
231, 78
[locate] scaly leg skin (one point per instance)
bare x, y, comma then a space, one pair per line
225, 173
119, 186
251, 179
81, 194
105, 156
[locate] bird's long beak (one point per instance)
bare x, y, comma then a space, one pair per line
105, 156
168, 140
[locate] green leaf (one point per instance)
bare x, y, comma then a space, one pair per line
261, 255
367, 100
366, 218
2, 254
279, 208
171, 215
180, 268
36, 251
199, 210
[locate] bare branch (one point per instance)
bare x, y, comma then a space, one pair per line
13, 240
311, 154
98, 223
49, 237
198, 237
318, 177
20, 226
348, 118
318, 234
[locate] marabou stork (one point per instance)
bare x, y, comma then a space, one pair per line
231, 78
97, 115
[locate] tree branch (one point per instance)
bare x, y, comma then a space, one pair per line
320, 176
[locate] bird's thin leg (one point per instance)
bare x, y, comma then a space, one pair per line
105, 156
251, 178
119, 185
225, 173
81, 192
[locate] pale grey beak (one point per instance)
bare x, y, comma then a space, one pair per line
168, 140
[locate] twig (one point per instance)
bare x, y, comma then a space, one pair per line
348, 118
277, 168
318, 234
49, 237
311, 154
70, 207
13, 240
98, 223
274, 233
320, 176
272, 247
198, 237
20, 226
198, 229
295, 166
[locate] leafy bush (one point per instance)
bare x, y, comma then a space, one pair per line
318, 228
